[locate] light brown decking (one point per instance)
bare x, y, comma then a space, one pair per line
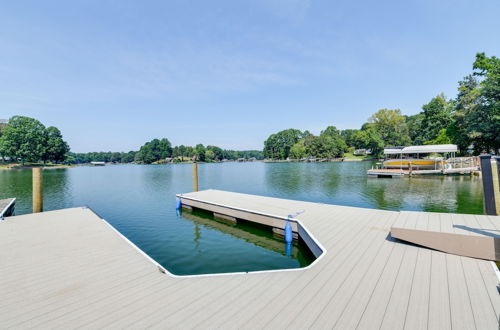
68, 269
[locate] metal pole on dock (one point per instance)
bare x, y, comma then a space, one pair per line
490, 169
37, 189
195, 176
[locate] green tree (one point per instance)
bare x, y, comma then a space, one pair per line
484, 123
128, 157
116, 157
338, 140
199, 152
391, 126
298, 150
375, 143
348, 135
331, 131
369, 139
436, 116
154, 151
24, 139
209, 155
175, 152
441, 138
326, 146
466, 103
182, 150
165, 148
56, 148
277, 146
218, 152
414, 124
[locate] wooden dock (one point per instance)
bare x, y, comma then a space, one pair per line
69, 268
7, 207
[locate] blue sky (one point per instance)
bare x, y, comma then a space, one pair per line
115, 74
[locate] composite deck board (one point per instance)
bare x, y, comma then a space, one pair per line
481, 304
439, 293
460, 304
417, 314
422, 221
395, 312
68, 269
490, 283
373, 309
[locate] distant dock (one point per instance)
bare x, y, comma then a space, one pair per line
393, 172
69, 269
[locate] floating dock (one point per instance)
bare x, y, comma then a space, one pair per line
394, 172
69, 268
7, 207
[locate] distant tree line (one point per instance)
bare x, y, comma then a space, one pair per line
115, 157
158, 150
26, 139
472, 119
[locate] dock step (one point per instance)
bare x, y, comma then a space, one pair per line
466, 235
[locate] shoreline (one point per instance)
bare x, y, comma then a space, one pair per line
27, 167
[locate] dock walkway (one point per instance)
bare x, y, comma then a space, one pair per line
69, 268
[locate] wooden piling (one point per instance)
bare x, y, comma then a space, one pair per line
37, 190
491, 186
195, 176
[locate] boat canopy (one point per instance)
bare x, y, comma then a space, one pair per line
426, 149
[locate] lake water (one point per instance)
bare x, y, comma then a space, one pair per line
139, 200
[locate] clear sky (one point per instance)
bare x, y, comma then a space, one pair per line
115, 74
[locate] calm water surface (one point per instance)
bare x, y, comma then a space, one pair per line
140, 202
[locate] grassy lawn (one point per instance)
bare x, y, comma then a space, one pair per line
349, 155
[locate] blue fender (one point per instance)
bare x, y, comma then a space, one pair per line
288, 249
288, 232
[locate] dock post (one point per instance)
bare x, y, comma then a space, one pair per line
490, 170
37, 189
195, 176
410, 168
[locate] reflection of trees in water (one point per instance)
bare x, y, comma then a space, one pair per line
285, 178
17, 184
251, 234
427, 193
300, 178
57, 188
158, 177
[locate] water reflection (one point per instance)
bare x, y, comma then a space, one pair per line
427, 193
251, 233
